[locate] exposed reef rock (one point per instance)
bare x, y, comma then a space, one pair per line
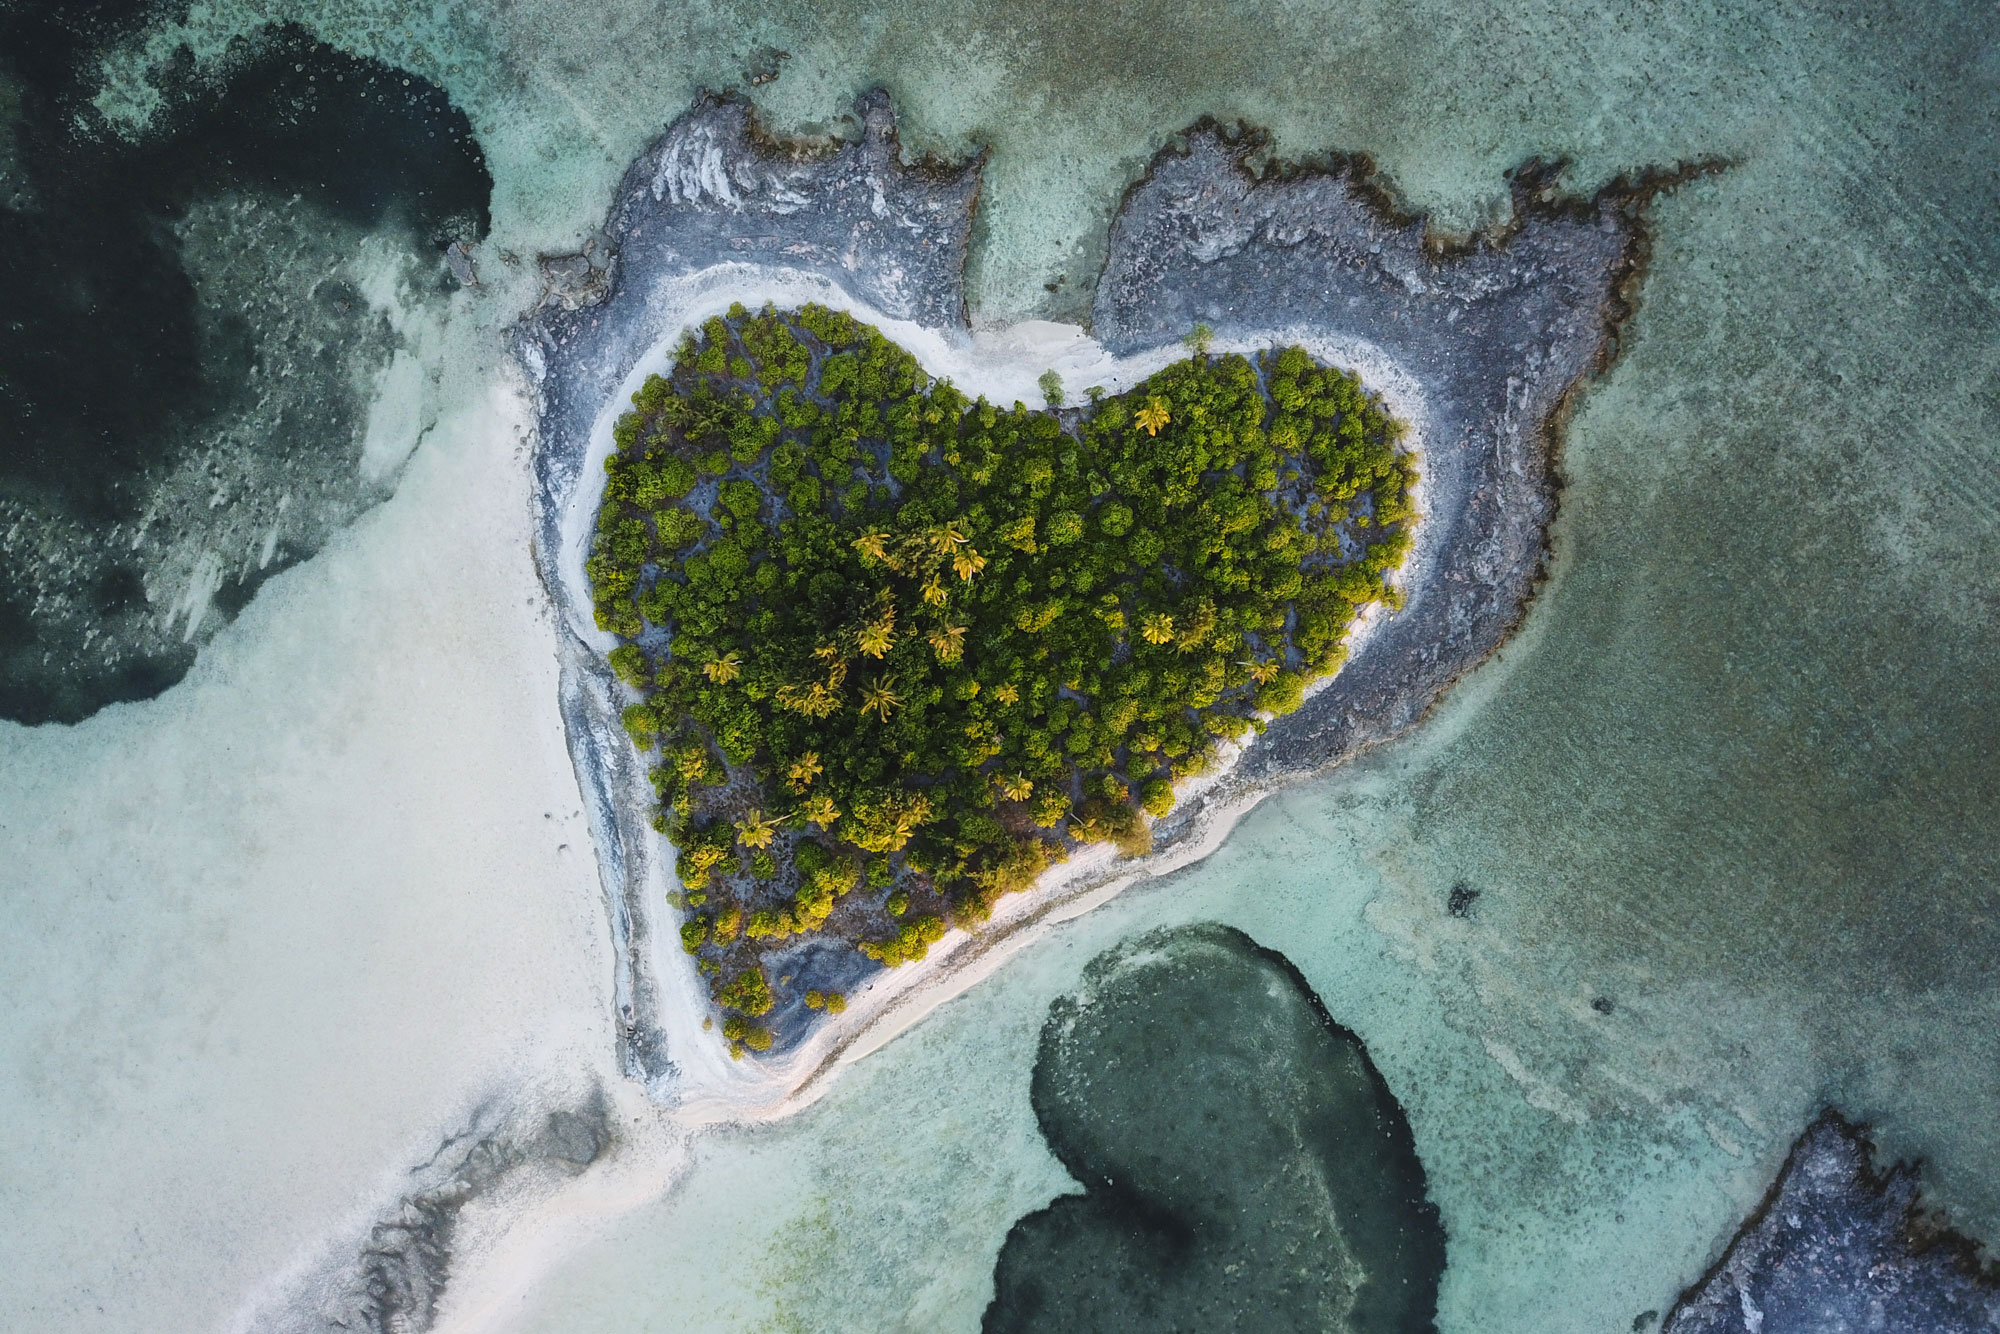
1277, 1188
393, 1280
1499, 331
1838, 1246
1496, 335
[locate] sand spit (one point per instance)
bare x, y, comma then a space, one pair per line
1480, 346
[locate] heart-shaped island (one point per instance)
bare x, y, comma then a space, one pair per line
901, 650
815, 483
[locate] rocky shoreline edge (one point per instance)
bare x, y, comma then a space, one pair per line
1839, 1244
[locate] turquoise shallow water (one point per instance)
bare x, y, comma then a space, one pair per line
1735, 778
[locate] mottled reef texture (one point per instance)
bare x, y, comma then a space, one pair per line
1839, 1246
1498, 332
193, 322
1277, 1188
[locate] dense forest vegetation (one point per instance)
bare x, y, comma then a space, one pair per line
898, 650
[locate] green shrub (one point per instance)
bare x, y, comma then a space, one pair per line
1283, 694
749, 992
910, 943
629, 661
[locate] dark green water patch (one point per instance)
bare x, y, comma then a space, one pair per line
1244, 1165
184, 357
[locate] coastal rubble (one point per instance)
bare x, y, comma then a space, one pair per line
1500, 330
396, 1274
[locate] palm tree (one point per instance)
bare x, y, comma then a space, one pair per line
948, 642
880, 699
724, 669
879, 635
820, 810
836, 665
754, 831
814, 701
1015, 787
803, 770
1260, 672
1157, 627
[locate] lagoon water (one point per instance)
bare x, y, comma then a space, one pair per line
1730, 799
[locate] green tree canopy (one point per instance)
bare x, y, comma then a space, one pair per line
874, 622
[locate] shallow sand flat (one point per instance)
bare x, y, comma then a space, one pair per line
274, 936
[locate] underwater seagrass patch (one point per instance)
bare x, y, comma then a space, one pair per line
898, 651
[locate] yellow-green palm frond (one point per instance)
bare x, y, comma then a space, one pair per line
803, 770
880, 699
755, 831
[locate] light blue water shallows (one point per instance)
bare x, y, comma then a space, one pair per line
1737, 777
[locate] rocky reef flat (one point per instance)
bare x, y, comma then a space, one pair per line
1839, 1245
1500, 329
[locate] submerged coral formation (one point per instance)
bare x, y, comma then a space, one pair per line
1278, 1188
890, 636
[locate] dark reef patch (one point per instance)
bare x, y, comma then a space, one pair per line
391, 1278
140, 341
1244, 1165
1838, 1245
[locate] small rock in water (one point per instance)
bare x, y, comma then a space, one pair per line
1463, 896
577, 281
458, 258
